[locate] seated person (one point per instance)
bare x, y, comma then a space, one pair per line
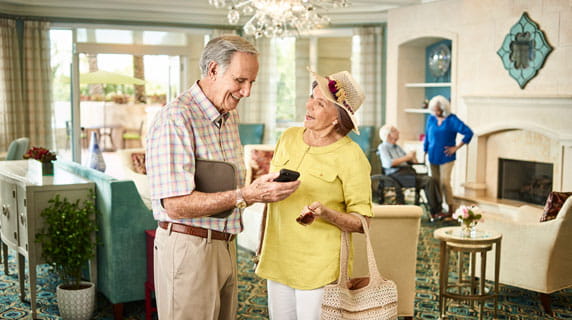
396, 163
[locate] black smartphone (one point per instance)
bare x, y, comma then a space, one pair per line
287, 175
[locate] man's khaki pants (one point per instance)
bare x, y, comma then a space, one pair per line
195, 278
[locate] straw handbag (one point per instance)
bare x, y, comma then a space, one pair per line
361, 298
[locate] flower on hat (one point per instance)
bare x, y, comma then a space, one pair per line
339, 92
342, 89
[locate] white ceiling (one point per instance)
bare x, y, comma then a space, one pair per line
180, 12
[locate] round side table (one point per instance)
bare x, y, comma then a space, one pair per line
467, 288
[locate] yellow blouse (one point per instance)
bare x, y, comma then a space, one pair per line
337, 175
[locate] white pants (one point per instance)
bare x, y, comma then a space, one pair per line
285, 303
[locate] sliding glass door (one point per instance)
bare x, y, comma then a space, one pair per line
114, 83
120, 93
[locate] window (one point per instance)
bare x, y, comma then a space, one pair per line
118, 36
159, 57
61, 60
286, 86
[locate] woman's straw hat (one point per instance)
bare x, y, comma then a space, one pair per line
341, 89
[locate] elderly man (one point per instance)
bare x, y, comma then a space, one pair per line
194, 252
396, 163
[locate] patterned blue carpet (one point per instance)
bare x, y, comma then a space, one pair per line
515, 303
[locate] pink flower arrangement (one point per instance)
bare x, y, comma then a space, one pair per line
40, 154
468, 215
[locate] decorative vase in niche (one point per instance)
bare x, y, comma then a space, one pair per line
469, 230
95, 159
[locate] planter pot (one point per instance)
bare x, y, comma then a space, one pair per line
47, 168
42, 168
76, 304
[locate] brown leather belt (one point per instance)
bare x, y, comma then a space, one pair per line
196, 231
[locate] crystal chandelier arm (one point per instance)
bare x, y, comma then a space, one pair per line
241, 4
271, 17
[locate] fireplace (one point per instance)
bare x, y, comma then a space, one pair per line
528, 128
526, 181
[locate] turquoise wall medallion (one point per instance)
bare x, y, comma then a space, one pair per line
524, 50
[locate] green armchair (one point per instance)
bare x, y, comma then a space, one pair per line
121, 252
365, 140
251, 133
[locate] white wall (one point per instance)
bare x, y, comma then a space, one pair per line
480, 27
477, 29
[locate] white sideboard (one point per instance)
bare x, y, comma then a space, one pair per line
24, 193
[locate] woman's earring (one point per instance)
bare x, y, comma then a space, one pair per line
335, 122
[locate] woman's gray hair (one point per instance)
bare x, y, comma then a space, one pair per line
221, 49
385, 131
441, 103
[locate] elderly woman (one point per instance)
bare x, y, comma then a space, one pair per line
299, 259
440, 143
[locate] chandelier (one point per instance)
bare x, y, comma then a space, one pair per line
278, 18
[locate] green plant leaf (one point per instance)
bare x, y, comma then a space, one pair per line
66, 239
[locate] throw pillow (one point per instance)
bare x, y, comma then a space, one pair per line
553, 205
138, 161
260, 162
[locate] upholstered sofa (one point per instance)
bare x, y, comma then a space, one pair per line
129, 157
257, 162
122, 220
535, 255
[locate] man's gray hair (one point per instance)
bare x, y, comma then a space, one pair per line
385, 131
441, 103
221, 49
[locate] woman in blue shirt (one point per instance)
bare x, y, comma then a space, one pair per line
440, 143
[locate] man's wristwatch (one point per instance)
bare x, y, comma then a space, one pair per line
240, 203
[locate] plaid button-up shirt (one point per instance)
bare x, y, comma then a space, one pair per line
191, 127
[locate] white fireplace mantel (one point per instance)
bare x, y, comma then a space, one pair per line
498, 120
548, 115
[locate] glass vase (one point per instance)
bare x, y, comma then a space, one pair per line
95, 159
469, 229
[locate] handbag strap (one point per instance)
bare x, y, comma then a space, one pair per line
344, 251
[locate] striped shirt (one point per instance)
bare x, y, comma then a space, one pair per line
191, 127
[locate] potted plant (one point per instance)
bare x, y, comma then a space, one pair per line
68, 243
